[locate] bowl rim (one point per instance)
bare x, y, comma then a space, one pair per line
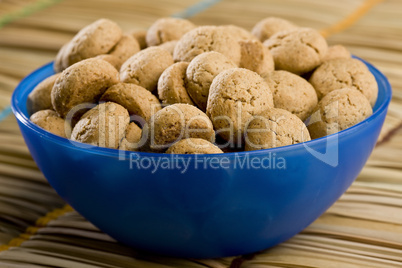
22, 118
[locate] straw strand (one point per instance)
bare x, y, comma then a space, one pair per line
351, 19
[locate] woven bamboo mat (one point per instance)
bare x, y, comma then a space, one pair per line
37, 229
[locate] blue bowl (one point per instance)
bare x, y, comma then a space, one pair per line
202, 206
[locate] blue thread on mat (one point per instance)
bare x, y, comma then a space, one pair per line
5, 112
195, 9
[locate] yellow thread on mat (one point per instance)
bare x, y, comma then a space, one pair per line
40, 223
351, 19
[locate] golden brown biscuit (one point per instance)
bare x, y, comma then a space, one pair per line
338, 110
171, 85
339, 73
267, 27
140, 36
95, 39
49, 120
176, 122
167, 29
131, 140
82, 82
61, 60
200, 73
298, 51
238, 33
256, 57
136, 99
292, 93
204, 39
113, 60
336, 52
235, 96
103, 125
193, 146
275, 128
145, 67
169, 46
125, 48
39, 98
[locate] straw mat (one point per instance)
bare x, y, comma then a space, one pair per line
37, 228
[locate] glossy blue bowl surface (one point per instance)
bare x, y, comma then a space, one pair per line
202, 206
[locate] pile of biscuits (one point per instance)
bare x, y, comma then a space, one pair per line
187, 89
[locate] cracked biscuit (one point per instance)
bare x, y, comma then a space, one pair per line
204, 39
171, 85
235, 96
340, 73
39, 98
113, 60
132, 138
200, 73
335, 52
256, 57
297, 51
136, 99
167, 29
125, 48
140, 36
238, 33
176, 122
83, 82
95, 39
338, 110
169, 46
292, 93
104, 125
275, 128
145, 67
267, 27
49, 120
61, 60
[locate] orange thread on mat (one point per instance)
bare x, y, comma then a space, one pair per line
40, 223
351, 19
